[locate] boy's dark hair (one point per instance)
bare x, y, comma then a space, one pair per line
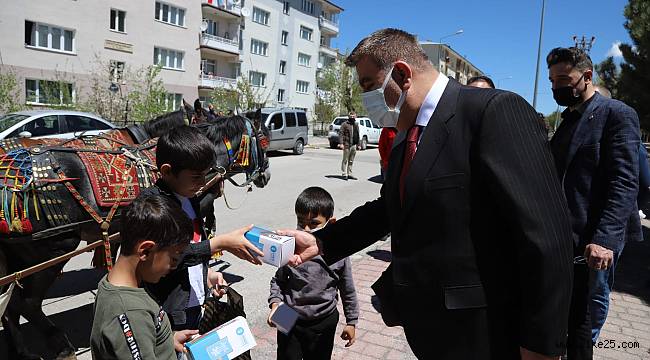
314, 201
156, 218
185, 147
474, 79
578, 58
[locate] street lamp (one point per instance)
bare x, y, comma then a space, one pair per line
539, 54
458, 32
505, 78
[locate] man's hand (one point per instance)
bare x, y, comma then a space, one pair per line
358, 147
598, 257
216, 283
529, 355
274, 307
349, 334
306, 246
235, 243
181, 337
341, 146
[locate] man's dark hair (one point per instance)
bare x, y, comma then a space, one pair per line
314, 201
474, 79
183, 148
386, 46
578, 58
156, 218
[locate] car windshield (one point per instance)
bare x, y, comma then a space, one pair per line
339, 121
10, 120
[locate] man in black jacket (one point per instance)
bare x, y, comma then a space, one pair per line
481, 241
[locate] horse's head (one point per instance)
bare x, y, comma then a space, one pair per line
161, 125
241, 148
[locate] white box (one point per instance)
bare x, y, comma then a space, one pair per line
284, 318
225, 342
277, 249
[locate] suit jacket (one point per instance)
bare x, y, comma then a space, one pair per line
172, 292
601, 176
482, 245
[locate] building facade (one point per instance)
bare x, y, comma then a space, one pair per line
201, 44
449, 62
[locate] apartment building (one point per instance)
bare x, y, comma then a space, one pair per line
450, 62
201, 44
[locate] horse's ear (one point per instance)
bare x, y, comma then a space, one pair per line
187, 105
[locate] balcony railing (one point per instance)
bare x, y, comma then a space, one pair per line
328, 24
213, 81
225, 5
329, 50
220, 43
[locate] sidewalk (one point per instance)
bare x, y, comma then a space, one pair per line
374, 339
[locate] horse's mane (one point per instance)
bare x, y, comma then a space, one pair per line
163, 123
230, 127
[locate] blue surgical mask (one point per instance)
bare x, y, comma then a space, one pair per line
378, 110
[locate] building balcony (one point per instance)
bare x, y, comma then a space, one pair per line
224, 8
328, 51
328, 26
220, 44
208, 81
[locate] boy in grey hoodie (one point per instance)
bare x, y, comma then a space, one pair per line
312, 288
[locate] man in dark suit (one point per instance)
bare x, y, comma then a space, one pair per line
481, 242
596, 151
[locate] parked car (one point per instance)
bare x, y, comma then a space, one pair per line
51, 123
288, 127
368, 132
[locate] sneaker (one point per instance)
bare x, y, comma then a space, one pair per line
344, 176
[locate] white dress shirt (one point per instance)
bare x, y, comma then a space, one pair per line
431, 102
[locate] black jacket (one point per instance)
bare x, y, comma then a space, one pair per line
481, 248
172, 292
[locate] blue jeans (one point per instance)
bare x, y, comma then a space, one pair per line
601, 283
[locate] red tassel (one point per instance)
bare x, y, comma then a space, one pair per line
4, 227
27, 226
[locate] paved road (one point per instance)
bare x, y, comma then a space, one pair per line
69, 303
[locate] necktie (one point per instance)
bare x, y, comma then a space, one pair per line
409, 153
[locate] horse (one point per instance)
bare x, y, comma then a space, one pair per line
57, 173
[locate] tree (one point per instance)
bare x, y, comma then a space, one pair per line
635, 70
553, 120
608, 75
243, 96
338, 93
9, 91
148, 97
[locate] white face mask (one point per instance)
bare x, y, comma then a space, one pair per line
378, 110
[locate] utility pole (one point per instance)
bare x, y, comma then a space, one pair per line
539, 54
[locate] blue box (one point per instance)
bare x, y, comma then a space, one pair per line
223, 343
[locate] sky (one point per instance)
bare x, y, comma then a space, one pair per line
500, 37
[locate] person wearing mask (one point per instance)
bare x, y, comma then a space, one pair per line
481, 240
596, 150
349, 134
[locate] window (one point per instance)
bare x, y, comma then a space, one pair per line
302, 86
260, 16
291, 119
308, 6
116, 69
209, 67
169, 59
173, 101
284, 38
49, 92
306, 32
285, 7
257, 78
259, 47
43, 126
49, 37
213, 27
117, 20
280, 95
302, 118
170, 14
276, 121
283, 67
303, 59
77, 123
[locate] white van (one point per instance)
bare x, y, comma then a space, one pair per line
368, 132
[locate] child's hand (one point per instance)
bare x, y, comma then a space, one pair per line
274, 307
235, 243
349, 334
216, 283
181, 337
